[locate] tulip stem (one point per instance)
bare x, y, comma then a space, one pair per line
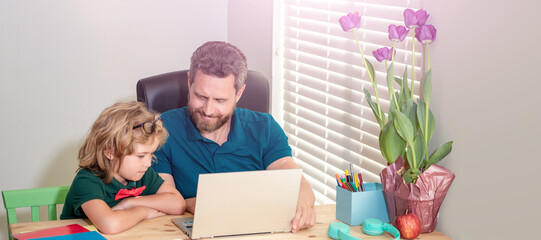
427, 107
414, 158
374, 84
426, 133
427, 56
412, 61
392, 53
392, 61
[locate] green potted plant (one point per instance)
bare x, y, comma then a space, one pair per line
407, 128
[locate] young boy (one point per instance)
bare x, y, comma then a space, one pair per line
115, 187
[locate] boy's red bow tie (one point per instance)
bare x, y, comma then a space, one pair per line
122, 193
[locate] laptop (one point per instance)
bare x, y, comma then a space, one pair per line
239, 203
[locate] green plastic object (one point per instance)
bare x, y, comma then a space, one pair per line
33, 198
371, 226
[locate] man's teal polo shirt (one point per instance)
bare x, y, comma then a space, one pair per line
254, 142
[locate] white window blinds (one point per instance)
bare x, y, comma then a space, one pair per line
319, 78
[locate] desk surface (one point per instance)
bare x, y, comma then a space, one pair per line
163, 228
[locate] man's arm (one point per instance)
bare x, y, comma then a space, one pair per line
305, 217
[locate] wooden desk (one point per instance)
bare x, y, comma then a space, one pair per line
163, 228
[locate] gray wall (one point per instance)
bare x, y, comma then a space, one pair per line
485, 98
249, 26
63, 62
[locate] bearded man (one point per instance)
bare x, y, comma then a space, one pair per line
212, 135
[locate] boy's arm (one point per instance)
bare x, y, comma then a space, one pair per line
113, 222
167, 200
190, 202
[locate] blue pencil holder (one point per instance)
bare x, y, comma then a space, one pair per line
354, 207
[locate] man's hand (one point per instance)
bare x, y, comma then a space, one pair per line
305, 217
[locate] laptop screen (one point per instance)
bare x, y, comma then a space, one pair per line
245, 202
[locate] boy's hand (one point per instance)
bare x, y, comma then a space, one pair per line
127, 203
153, 213
124, 204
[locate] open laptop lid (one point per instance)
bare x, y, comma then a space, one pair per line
245, 202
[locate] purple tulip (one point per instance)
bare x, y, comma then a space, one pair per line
415, 18
350, 22
425, 33
383, 53
397, 32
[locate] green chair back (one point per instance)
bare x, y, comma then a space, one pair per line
33, 198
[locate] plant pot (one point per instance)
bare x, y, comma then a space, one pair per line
423, 198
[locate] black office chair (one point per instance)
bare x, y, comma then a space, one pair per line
170, 90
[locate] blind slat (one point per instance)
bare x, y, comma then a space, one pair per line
328, 141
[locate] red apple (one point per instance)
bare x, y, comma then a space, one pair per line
409, 225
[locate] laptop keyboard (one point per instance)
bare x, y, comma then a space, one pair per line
188, 224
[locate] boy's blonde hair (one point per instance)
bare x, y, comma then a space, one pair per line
113, 132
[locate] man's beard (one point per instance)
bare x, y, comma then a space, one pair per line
208, 126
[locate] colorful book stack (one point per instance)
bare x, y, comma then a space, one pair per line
68, 232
